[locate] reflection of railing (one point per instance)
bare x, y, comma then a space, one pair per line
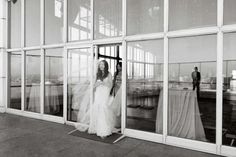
30, 85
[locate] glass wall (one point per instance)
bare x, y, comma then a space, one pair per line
15, 24
192, 88
191, 69
32, 80
79, 76
79, 20
184, 14
32, 22
229, 12
144, 85
107, 18
53, 87
53, 21
145, 16
229, 90
15, 62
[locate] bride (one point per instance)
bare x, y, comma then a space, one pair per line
100, 116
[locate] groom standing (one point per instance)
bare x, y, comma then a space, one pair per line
196, 76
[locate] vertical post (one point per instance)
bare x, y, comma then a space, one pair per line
65, 56
124, 68
165, 83
42, 56
219, 97
3, 55
124, 91
65, 83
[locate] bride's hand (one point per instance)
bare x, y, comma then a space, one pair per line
98, 83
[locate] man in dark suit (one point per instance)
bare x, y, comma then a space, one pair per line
196, 76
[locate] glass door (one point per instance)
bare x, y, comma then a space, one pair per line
79, 68
113, 56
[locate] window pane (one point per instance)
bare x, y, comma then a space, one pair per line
229, 90
192, 88
53, 21
53, 96
79, 71
144, 85
191, 14
15, 24
15, 81
79, 20
32, 74
145, 16
229, 12
32, 22
107, 18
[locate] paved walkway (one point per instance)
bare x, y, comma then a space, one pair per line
26, 137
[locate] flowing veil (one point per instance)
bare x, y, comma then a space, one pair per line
81, 102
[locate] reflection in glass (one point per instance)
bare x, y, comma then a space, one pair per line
53, 21
108, 20
15, 24
191, 14
229, 12
192, 64
15, 80
32, 22
32, 79
78, 82
229, 90
110, 53
145, 16
79, 20
53, 92
144, 85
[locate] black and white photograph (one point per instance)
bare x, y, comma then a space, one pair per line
117, 78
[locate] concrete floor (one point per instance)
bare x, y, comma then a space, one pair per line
26, 137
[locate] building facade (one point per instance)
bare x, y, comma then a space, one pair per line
178, 59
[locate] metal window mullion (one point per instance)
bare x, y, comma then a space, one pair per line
65, 32
23, 76
23, 65
8, 77
42, 54
41, 23
8, 24
219, 96
124, 86
42, 82
22, 23
124, 16
93, 50
8, 80
165, 82
65, 81
92, 20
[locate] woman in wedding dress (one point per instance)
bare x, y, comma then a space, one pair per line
101, 115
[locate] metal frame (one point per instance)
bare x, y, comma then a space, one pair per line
219, 30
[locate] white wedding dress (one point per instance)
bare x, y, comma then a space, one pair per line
102, 118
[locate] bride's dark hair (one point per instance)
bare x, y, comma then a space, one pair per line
101, 76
